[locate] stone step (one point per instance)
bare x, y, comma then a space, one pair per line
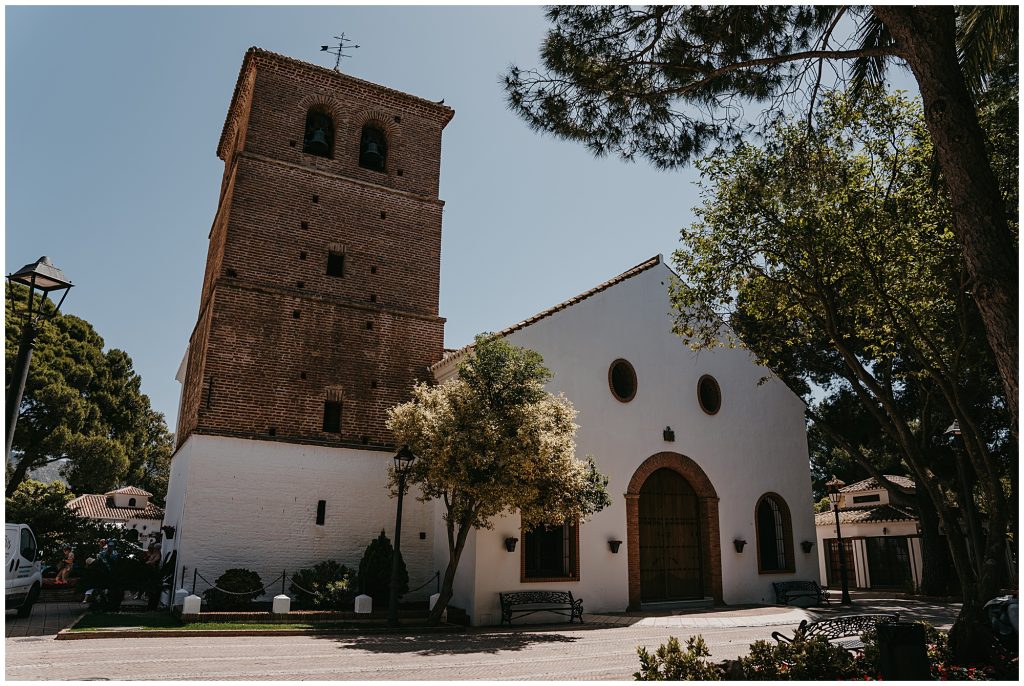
696, 604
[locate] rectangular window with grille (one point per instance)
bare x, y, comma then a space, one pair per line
551, 553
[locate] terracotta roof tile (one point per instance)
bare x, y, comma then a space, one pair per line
872, 483
862, 515
130, 490
97, 507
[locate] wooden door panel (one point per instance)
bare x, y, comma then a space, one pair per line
671, 567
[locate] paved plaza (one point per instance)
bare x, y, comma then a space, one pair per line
602, 649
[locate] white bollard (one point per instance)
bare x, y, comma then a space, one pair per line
364, 604
191, 605
433, 600
282, 604
179, 597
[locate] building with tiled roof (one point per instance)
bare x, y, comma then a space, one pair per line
128, 508
881, 540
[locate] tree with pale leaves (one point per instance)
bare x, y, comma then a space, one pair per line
490, 442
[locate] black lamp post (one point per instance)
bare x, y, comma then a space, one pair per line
403, 460
38, 276
956, 436
833, 487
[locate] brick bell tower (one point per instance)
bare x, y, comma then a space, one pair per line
319, 306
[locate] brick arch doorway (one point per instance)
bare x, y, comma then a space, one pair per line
678, 502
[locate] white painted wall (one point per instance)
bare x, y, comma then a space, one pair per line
252, 504
755, 444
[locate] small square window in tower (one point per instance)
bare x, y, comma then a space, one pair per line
373, 149
335, 264
319, 138
332, 416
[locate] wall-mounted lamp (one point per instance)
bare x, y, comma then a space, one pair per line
614, 546
738, 544
885, 531
510, 544
668, 434
807, 545
168, 532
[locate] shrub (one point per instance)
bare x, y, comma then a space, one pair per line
244, 586
375, 570
813, 659
671, 663
326, 586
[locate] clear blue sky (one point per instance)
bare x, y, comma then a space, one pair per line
113, 116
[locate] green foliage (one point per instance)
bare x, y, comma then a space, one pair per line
671, 663
823, 505
244, 586
375, 570
493, 441
813, 659
326, 586
43, 507
669, 83
84, 404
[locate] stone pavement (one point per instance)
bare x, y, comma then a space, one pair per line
46, 619
597, 650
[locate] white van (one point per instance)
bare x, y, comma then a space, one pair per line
23, 578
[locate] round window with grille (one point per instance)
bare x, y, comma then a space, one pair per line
622, 380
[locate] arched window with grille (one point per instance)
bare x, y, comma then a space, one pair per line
373, 148
319, 137
774, 535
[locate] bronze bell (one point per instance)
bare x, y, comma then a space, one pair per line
317, 143
371, 154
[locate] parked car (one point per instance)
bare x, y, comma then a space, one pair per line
23, 578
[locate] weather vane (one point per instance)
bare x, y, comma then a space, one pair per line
339, 51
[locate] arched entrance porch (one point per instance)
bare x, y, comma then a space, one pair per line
680, 521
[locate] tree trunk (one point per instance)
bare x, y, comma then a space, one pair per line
937, 575
17, 476
926, 39
456, 544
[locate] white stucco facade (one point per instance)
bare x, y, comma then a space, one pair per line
253, 504
755, 444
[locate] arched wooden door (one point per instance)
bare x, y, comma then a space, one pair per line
671, 564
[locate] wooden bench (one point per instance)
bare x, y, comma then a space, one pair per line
524, 603
844, 631
787, 591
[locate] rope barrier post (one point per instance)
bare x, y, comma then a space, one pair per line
194, 573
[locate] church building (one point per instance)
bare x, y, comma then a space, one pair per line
319, 311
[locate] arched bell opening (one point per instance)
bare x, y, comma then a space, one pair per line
373, 149
319, 136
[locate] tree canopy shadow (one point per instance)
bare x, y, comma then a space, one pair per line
449, 644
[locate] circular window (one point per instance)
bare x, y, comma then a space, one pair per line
709, 395
622, 380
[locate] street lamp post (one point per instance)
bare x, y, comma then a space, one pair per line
974, 549
40, 276
403, 460
833, 487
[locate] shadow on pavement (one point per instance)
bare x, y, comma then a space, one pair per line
938, 613
449, 644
